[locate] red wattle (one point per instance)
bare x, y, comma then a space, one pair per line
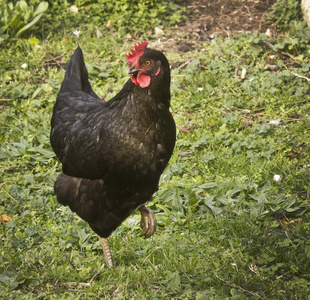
143, 80
134, 80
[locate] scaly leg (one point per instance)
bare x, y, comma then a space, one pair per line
148, 221
107, 252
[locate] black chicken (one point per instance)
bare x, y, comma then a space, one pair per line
114, 152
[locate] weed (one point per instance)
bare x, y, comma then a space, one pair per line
16, 19
284, 12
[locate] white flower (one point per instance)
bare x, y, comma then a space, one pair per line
24, 66
74, 9
277, 177
76, 32
199, 89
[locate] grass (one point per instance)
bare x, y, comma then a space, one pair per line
227, 229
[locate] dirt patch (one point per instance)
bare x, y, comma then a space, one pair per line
220, 17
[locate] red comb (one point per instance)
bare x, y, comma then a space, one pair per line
133, 56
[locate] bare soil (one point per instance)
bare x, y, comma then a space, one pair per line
207, 18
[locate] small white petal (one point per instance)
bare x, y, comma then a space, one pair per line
76, 32
199, 89
275, 122
24, 66
277, 177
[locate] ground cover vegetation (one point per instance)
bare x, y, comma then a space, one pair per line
233, 204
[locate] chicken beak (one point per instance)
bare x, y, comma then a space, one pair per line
132, 71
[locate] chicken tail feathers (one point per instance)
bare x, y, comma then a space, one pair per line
76, 77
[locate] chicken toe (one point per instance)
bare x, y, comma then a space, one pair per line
107, 252
148, 221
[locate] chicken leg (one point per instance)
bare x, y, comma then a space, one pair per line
148, 221
107, 252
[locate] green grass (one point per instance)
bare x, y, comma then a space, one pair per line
226, 228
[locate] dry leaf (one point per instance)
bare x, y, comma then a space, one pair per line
294, 153
254, 269
243, 73
5, 219
98, 33
159, 32
272, 67
287, 223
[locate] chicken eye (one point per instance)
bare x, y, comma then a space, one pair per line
147, 63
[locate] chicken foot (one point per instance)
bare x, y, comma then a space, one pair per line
107, 252
148, 221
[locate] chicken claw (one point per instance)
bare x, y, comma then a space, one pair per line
148, 221
107, 252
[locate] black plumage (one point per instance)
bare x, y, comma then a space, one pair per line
113, 152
